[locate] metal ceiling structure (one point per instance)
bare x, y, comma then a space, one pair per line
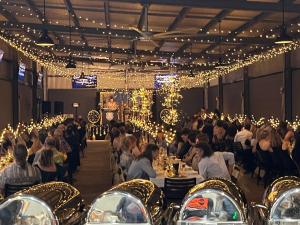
102, 28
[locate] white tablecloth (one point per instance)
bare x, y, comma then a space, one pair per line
159, 180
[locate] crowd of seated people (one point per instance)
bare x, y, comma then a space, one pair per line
133, 157
43, 156
275, 151
212, 146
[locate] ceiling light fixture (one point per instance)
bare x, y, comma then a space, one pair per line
283, 38
71, 62
221, 63
44, 39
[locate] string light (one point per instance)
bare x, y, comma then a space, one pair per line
171, 93
272, 121
57, 64
22, 128
153, 129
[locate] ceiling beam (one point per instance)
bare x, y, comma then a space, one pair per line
45, 21
137, 63
206, 28
139, 26
75, 20
11, 17
173, 26
135, 12
221, 4
129, 34
239, 30
99, 50
107, 21
249, 24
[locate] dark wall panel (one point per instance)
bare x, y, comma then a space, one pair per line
6, 103
232, 100
265, 97
85, 97
192, 101
212, 94
296, 93
25, 103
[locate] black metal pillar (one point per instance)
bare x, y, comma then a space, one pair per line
15, 90
34, 91
246, 92
206, 86
287, 82
220, 94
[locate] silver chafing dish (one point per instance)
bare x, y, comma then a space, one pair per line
214, 201
54, 203
137, 201
282, 202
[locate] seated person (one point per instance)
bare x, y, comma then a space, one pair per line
51, 143
213, 164
126, 156
19, 172
186, 143
47, 166
6, 146
141, 168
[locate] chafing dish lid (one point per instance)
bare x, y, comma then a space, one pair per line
55, 194
214, 201
26, 210
282, 198
136, 201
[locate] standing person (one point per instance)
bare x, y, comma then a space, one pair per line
19, 172
73, 155
141, 168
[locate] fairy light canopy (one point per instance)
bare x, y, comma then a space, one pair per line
150, 36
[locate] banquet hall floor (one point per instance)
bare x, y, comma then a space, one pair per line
94, 175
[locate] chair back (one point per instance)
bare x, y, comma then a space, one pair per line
178, 188
11, 189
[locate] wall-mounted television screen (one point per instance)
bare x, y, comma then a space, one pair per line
161, 79
40, 79
22, 68
1, 55
86, 81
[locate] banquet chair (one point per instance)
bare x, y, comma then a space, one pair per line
11, 189
238, 152
176, 189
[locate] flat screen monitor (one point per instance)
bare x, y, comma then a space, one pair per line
40, 79
22, 68
87, 81
161, 79
1, 55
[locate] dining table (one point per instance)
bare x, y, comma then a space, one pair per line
185, 173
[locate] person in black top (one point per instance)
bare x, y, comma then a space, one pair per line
296, 150
186, 143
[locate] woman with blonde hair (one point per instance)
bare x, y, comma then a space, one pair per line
47, 167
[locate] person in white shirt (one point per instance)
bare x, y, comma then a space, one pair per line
213, 164
243, 135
